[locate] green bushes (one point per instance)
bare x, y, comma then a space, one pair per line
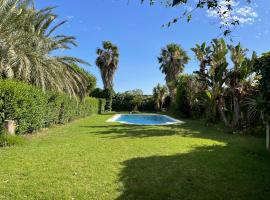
91, 106
188, 100
23, 103
133, 100
33, 109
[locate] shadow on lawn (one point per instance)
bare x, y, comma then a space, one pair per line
206, 173
188, 129
239, 170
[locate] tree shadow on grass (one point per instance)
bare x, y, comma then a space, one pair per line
208, 173
188, 129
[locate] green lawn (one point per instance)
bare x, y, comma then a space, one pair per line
92, 159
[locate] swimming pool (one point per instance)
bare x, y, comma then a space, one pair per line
144, 119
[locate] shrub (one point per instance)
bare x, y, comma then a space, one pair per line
54, 102
68, 109
10, 140
188, 98
91, 106
128, 100
33, 109
102, 103
24, 104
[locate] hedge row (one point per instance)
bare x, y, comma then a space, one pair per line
33, 109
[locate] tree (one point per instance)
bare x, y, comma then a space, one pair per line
202, 53
223, 9
172, 62
225, 88
107, 61
237, 77
136, 101
262, 67
27, 44
159, 95
216, 78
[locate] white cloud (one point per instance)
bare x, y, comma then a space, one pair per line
242, 14
70, 17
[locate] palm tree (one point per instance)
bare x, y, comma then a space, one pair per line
202, 53
107, 61
172, 61
27, 42
159, 95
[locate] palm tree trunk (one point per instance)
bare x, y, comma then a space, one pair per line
161, 105
267, 135
172, 93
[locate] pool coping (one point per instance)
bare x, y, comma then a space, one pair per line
116, 116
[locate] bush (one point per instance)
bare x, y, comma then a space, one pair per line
91, 106
128, 100
101, 108
33, 109
9, 140
23, 103
188, 98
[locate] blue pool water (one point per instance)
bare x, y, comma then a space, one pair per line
144, 119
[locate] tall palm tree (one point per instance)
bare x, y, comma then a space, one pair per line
172, 62
27, 42
107, 61
159, 95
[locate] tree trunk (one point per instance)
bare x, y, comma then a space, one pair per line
172, 92
222, 114
236, 111
161, 105
267, 136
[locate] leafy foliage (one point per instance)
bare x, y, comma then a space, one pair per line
33, 109
159, 95
172, 60
262, 67
27, 43
219, 90
224, 11
133, 100
188, 97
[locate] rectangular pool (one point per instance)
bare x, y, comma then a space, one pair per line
144, 119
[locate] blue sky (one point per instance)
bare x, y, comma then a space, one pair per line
136, 30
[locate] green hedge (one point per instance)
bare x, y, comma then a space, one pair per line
33, 109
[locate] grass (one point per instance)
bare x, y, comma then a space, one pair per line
9, 140
92, 159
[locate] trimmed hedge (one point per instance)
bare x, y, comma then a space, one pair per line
33, 109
